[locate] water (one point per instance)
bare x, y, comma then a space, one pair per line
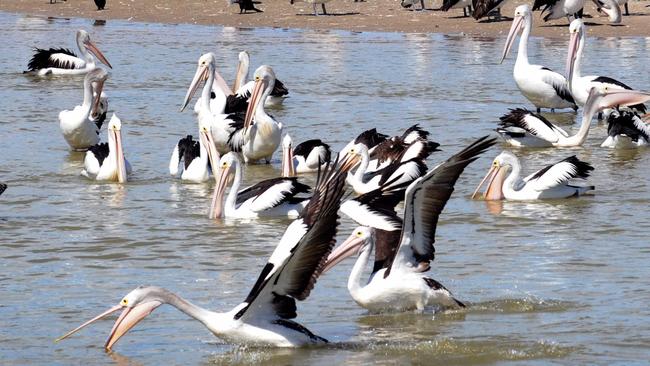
556, 282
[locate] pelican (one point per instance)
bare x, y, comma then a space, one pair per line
244, 88
611, 8
523, 128
403, 251
106, 162
198, 157
61, 61
626, 130
79, 129
271, 197
580, 85
550, 182
487, 7
308, 156
456, 4
264, 317
261, 133
409, 3
313, 4
540, 85
371, 138
412, 144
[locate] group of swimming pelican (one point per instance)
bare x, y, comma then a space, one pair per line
235, 129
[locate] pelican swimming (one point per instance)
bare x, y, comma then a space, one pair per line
403, 250
523, 128
264, 317
270, 197
244, 88
581, 85
550, 182
540, 85
308, 156
61, 61
626, 130
197, 157
106, 162
81, 125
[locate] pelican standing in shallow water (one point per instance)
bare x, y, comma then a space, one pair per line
195, 158
81, 125
542, 86
308, 156
61, 61
626, 130
270, 197
244, 88
523, 128
403, 250
551, 182
106, 162
264, 317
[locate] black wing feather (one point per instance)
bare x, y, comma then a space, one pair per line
41, 59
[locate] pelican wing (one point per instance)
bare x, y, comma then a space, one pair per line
533, 123
558, 174
60, 58
376, 208
271, 193
559, 84
298, 260
425, 200
628, 124
279, 90
538, 4
3, 187
483, 7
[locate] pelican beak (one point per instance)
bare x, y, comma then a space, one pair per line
213, 154
128, 319
121, 165
200, 76
95, 51
352, 245
256, 96
350, 161
613, 98
517, 24
99, 86
574, 41
288, 170
221, 83
98, 317
494, 189
223, 179
238, 77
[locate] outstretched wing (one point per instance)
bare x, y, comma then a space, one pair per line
533, 123
558, 174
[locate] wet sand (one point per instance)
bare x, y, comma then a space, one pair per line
372, 15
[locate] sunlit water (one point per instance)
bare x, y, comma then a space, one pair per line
557, 282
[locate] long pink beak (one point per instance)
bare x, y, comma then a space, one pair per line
514, 29
350, 246
613, 98
128, 319
574, 41
200, 75
213, 154
494, 188
288, 170
258, 91
98, 317
216, 207
95, 51
121, 165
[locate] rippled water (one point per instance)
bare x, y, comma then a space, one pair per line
555, 282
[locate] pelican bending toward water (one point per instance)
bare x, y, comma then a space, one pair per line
61, 61
106, 162
244, 88
198, 157
264, 318
523, 128
581, 85
626, 130
542, 86
81, 125
403, 251
271, 197
308, 156
551, 182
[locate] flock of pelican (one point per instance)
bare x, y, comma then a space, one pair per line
234, 130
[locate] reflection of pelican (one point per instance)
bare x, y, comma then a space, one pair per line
197, 157
61, 61
550, 182
402, 255
264, 317
106, 161
542, 86
626, 130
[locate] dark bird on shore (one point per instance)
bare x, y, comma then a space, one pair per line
100, 4
245, 5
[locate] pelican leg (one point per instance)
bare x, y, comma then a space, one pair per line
422, 3
465, 12
324, 11
627, 11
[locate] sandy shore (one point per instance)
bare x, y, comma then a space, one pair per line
372, 15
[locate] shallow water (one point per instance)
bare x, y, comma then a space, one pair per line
555, 282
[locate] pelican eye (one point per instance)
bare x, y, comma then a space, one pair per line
125, 302
224, 164
257, 78
359, 233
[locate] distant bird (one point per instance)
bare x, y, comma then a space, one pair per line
611, 8
406, 4
556, 9
626, 130
100, 4
61, 61
488, 8
246, 5
106, 162
3, 187
313, 4
456, 4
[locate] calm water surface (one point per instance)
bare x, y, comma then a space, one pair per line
548, 283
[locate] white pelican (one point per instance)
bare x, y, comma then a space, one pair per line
457, 4
313, 4
542, 86
550, 182
371, 138
487, 8
261, 133
611, 8
61, 61
197, 157
244, 88
403, 251
556, 9
580, 85
308, 156
626, 130
264, 317
79, 129
270, 197
524, 128
106, 162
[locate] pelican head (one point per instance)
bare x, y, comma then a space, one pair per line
96, 77
264, 82
206, 66
115, 139
242, 70
602, 97
522, 17
288, 170
84, 43
359, 241
224, 175
576, 35
499, 170
205, 136
135, 306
